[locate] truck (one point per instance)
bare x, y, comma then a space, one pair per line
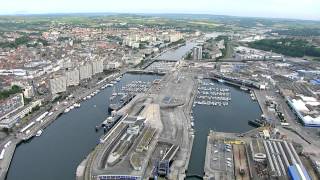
242, 172
285, 124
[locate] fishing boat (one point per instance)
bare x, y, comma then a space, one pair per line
244, 88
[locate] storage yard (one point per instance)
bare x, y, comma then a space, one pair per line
253, 158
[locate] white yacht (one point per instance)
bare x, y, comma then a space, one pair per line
39, 133
66, 110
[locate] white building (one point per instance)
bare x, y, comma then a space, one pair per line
197, 53
10, 105
73, 77
112, 65
226, 68
175, 37
303, 108
216, 53
14, 118
220, 44
85, 71
28, 92
97, 67
58, 84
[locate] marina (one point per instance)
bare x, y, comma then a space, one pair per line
227, 118
211, 95
136, 87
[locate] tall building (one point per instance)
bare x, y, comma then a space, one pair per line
28, 92
197, 53
85, 71
73, 77
174, 37
111, 65
97, 67
58, 84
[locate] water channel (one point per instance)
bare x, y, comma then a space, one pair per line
56, 154
177, 54
232, 118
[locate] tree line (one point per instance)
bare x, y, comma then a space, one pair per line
287, 46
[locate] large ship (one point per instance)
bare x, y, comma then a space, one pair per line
256, 122
116, 106
111, 121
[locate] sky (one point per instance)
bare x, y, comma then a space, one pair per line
296, 9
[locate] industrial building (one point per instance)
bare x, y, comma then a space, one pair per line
258, 151
296, 172
304, 108
280, 155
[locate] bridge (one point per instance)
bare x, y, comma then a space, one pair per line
227, 81
236, 82
145, 72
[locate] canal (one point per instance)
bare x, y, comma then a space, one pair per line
177, 54
232, 118
56, 154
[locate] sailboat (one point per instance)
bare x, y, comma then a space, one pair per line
114, 94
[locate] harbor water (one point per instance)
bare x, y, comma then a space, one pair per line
231, 118
56, 154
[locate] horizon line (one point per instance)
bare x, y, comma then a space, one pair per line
146, 13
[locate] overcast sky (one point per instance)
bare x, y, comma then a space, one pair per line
299, 9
